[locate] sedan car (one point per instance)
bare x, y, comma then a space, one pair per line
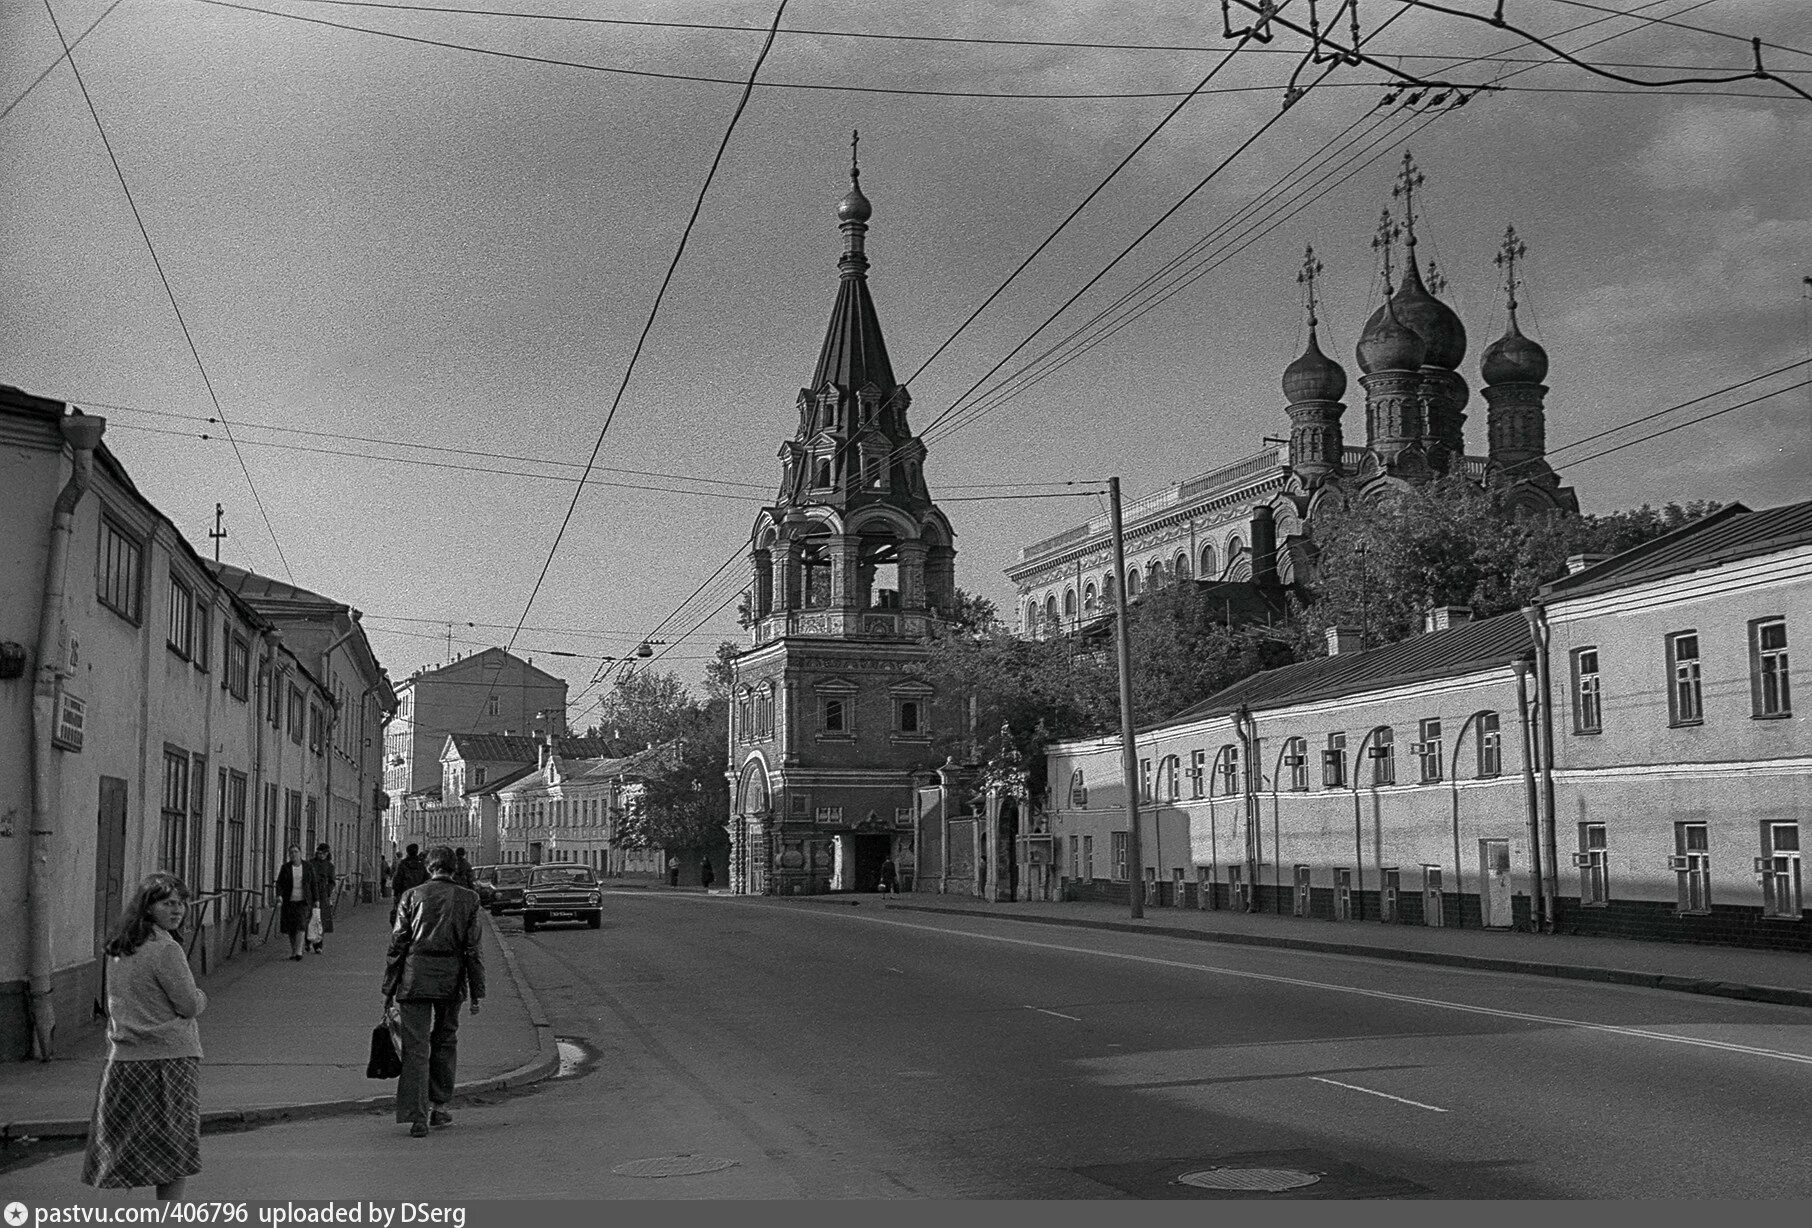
506, 889
560, 893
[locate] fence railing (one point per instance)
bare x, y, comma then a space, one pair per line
232, 911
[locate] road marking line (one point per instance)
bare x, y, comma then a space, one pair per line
1800, 1059
1354, 1087
1059, 1014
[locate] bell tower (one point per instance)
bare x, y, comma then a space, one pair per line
850, 567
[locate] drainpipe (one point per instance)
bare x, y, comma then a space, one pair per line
1359, 757
1537, 900
83, 433
1248, 736
1539, 632
1453, 784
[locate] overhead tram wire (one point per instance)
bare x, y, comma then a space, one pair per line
1663, 21
52, 66
169, 292
1680, 426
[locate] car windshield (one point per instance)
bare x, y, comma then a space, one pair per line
548, 877
511, 874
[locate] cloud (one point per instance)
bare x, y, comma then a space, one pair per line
1706, 148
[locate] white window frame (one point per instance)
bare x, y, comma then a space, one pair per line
1685, 680
1773, 697
1588, 691
1117, 848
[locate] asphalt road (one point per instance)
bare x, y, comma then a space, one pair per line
857, 1051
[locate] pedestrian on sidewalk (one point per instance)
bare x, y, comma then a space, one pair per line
462, 871
434, 962
890, 878
146, 1128
296, 898
322, 868
673, 871
706, 875
409, 872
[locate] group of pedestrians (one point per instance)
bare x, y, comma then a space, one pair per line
146, 1126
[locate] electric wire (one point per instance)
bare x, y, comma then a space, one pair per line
1663, 21
169, 292
1680, 426
51, 67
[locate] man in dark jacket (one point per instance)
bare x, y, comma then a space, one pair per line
462, 871
434, 962
409, 872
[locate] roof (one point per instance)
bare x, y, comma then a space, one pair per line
854, 352
1729, 534
263, 590
465, 663
1458, 650
522, 748
504, 781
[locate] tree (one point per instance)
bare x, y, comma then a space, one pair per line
1182, 652
684, 798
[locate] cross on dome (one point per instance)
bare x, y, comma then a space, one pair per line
1408, 180
1383, 242
1512, 250
1311, 269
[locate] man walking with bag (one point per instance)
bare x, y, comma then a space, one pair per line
434, 963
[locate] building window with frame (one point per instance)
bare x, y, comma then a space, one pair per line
1594, 862
1383, 754
1779, 868
907, 717
1296, 758
235, 818
1588, 697
493, 705
479, 774
1117, 849
317, 730
1685, 698
1229, 769
1091, 599
1691, 864
1145, 780
204, 630
174, 815
273, 697
1198, 773
1333, 762
1132, 583
1075, 866
298, 712
1088, 857
1428, 750
1491, 746
119, 567
1768, 667
834, 715
182, 618
238, 678
1170, 786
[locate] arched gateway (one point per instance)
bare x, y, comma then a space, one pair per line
849, 569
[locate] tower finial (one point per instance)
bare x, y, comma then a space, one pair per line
855, 141
1383, 242
1513, 249
1437, 280
1408, 180
1311, 269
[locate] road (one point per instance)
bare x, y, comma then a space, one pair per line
838, 1050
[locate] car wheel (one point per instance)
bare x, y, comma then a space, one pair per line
529, 925
596, 920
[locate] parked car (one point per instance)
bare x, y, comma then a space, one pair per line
561, 893
484, 882
506, 889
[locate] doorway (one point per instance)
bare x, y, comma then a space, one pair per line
109, 859
857, 860
1494, 874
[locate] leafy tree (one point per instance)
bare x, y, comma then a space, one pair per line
1182, 651
684, 799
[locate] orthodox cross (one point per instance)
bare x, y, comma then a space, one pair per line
1383, 242
1437, 280
1506, 258
1408, 180
218, 532
855, 140
1311, 269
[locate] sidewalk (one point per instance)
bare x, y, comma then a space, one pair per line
285, 1040
1780, 977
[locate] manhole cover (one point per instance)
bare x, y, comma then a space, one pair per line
672, 1166
1263, 1180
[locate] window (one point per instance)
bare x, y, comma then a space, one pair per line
1132, 583
1090, 599
1296, 758
1229, 769
273, 697
1198, 772
204, 630
1069, 603
821, 472
1685, 700
1691, 864
317, 730
297, 709
1593, 860
182, 616
478, 775
310, 834
1179, 566
1768, 667
1088, 857
118, 569
1588, 701
835, 716
1145, 780
1050, 609
1428, 750
1118, 849
1078, 793
1491, 746
238, 665
1383, 754
198, 817
1333, 762
1075, 857
1209, 570
1170, 785
173, 832
908, 710
493, 705
1780, 870
235, 834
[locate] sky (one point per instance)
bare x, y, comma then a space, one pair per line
398, 252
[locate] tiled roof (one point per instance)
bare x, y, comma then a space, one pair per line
522, 748
1434, 654
507, 779
1725, 536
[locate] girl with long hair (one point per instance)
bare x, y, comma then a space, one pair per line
146, 1128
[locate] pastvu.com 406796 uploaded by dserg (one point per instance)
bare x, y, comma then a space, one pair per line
276, 1214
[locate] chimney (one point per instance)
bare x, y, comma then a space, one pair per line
1264, 547
1444, 616
1344, 641
1577, 563
545, 750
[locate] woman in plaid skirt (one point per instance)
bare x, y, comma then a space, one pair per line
146, 1128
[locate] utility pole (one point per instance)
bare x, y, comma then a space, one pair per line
1129, 755
218, 533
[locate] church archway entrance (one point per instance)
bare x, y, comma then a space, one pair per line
857, 858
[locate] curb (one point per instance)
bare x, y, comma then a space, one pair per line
545, 1062
1772, 994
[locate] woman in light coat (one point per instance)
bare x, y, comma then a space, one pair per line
296, 898
146, 1128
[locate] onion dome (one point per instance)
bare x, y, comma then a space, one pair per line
854, 207
1514, 359
1389, 344
1314, 376
1434, 321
